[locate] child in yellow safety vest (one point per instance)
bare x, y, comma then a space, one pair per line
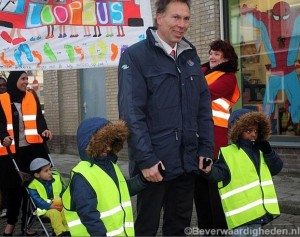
244, 171
46, 190
97, 199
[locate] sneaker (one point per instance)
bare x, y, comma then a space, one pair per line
4, 213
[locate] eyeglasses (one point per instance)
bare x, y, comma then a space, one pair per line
249, 131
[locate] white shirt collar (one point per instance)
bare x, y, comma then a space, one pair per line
167, 47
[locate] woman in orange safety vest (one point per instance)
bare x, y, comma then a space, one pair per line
22, 129
219, 72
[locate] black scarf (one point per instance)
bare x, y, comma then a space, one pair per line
15, 94
223, 67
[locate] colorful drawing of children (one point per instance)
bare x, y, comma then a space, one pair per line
9, 37
87, 32
62, 31
120, 31
73, 32
12, 6
35, 34
109, 31
95, 31
50, 30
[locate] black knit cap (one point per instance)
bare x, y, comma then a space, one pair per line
15, 94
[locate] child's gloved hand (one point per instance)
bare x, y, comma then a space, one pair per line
264, 146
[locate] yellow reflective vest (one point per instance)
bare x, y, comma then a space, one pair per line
29, 113
249, 195
221, 106
57, 187
114, 206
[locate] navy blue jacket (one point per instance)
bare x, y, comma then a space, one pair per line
166, 105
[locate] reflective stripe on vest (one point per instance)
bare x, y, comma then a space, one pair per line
248, 196
6, 106
114, 205
57, 187
221, 106
29, 111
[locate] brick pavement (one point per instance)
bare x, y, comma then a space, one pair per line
287, 188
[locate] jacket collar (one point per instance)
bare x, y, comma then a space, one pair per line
223, 67
154, 39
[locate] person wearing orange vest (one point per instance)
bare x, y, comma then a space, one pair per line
222, 83
22, 129
3, 196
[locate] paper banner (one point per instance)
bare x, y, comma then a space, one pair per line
66, 34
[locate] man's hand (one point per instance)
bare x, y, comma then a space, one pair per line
202, 161
152, 174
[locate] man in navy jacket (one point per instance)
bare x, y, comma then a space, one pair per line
167, 106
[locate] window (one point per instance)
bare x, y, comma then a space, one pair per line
266, 36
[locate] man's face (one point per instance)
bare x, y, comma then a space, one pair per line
173, 23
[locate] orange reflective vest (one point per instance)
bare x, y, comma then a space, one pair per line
5, 103
29, 112
221, 106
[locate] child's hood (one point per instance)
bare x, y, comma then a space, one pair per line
94, 134
240, 120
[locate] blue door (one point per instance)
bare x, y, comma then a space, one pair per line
93, 92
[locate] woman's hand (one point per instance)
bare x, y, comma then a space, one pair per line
7, 141
47, 134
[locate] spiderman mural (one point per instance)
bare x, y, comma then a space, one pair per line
280, 33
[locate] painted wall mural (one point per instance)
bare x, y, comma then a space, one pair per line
280, 34
69, 34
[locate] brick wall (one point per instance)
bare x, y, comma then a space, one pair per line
111, 77
205, 25
62, 100
291, 161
